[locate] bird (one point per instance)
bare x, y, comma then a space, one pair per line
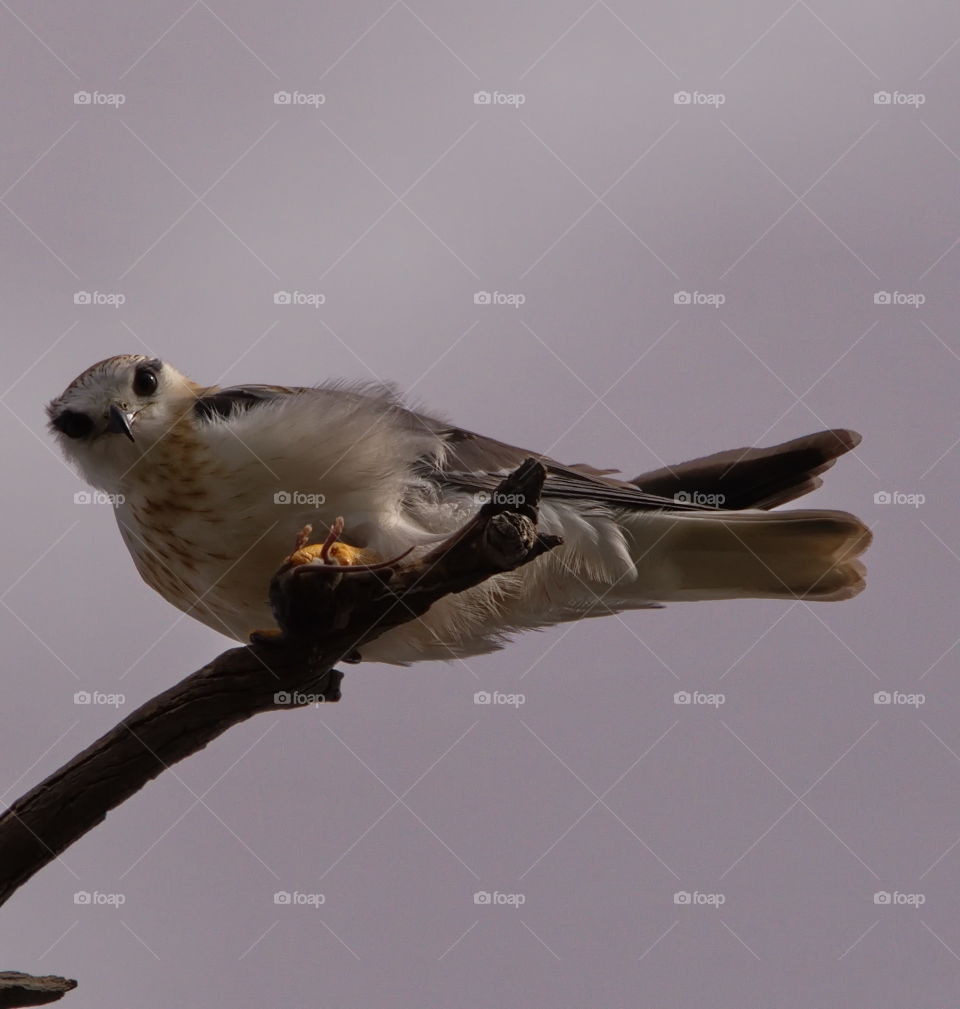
211, 484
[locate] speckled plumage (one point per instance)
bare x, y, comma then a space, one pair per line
216, 482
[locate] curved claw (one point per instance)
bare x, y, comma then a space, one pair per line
336, 531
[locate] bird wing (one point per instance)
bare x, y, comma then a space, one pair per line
475, 462
457, 459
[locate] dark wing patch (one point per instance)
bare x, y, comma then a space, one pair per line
224, 403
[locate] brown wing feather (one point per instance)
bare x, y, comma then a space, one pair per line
476, 462
755, 477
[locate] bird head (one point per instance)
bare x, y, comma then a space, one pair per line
115, 412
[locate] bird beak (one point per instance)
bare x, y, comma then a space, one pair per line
118, 422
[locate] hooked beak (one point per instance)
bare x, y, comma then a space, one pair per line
118, 422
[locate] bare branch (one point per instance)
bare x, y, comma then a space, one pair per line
18, 989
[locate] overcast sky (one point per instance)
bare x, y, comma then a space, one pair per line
700, 227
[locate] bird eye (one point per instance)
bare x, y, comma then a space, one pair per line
145, 381
73, 423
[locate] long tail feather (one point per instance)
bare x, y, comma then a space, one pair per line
749, 554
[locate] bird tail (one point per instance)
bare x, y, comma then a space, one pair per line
685, 556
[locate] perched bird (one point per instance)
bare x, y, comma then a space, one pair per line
214, 483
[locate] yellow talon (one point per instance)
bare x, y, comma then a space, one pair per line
332, 549
339, 553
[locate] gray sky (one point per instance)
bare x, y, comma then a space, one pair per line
796, 197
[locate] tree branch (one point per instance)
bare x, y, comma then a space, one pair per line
18, 989
325, 613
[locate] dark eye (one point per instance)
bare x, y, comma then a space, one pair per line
73, 423
145, 381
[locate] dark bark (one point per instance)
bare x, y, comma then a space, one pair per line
18, 989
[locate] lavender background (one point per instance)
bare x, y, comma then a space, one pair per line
598, 199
